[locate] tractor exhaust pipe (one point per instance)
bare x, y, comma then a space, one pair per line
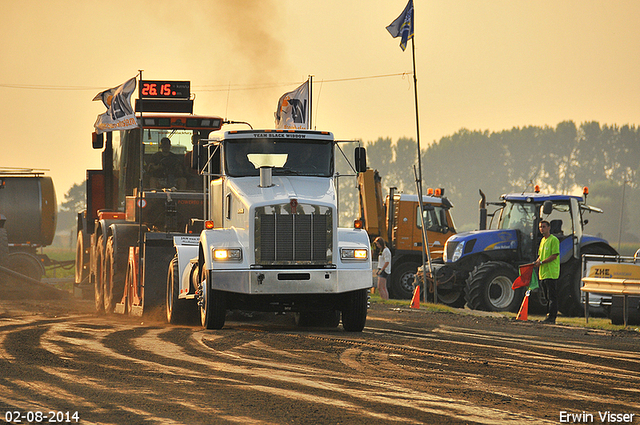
483, 211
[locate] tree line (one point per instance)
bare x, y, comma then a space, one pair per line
560, 159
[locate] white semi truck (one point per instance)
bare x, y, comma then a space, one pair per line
270, 240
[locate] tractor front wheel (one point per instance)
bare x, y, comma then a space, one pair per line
489, 287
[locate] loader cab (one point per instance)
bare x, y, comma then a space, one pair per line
123, 164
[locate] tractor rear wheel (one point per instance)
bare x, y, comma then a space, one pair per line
489, 287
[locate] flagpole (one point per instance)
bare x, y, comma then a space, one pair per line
425, 239
310, 82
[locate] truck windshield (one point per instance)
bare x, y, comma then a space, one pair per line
243, 157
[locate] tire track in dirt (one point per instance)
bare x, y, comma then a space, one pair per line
113, 370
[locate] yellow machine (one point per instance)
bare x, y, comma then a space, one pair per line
396, 218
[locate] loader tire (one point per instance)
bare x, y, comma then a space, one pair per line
179, 311
98, 287
114, 275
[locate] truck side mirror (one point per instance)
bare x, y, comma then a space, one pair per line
97, 140
198, 157
361, 159
547, 207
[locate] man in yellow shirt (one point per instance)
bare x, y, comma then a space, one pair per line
549, 263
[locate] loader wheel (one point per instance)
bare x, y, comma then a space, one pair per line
489, 287
401, 282
113, 278
26, 264
98, 288
82, 259
179, 311
212, 305
354, 313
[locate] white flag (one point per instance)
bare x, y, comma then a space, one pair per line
120, 114
292, 111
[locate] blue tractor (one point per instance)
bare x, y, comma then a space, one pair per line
484, 263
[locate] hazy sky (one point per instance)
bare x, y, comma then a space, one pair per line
481, 64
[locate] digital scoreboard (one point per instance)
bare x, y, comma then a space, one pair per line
164, 89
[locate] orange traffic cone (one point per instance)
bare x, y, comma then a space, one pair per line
415, 301
524, 308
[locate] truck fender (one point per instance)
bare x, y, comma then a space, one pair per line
222, 238
186, 251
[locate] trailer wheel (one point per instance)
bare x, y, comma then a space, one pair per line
489, 287
4, 247
178, 311
402, 278
354, 312
98, 288
26, 264
82, 259
212, 305
616, 314
570, 281
113, 278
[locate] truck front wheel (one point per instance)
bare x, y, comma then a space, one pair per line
489, 287
402, 277
354, 313
212, 305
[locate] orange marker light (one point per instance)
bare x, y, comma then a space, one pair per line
208, 224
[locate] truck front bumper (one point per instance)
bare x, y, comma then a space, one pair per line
287, 281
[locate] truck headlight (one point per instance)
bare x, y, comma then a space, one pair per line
227, 254
457, 253
353, 254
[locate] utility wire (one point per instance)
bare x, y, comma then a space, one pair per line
204, 88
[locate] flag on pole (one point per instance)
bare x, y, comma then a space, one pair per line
292, 110
120, 114
403, 26
527, 277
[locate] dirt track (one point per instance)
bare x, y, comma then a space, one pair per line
408, 366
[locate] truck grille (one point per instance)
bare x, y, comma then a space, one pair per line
286, 239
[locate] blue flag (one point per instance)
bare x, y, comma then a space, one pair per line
403, 25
